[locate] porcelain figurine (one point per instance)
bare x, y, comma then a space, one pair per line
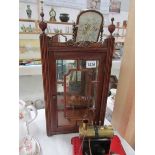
29, 11
28, 146
25, 118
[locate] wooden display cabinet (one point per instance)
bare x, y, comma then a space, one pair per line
76, 80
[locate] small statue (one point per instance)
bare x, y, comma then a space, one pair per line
52, 14
29, 11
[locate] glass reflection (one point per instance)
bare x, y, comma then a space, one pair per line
76, 91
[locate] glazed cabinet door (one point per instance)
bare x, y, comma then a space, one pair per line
76, 90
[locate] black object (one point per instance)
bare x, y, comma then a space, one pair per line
98, 146
64, 17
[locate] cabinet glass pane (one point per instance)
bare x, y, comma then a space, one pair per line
62, 67
76, 90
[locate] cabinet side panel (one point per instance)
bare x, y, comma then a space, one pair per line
107, 72
45, 70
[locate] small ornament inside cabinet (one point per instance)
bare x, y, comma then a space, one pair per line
52, 14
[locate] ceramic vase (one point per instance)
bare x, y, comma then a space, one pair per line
64, 17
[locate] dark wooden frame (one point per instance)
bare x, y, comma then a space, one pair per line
51, 50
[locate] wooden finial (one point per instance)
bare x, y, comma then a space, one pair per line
42, 16
111, 27
42, 24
